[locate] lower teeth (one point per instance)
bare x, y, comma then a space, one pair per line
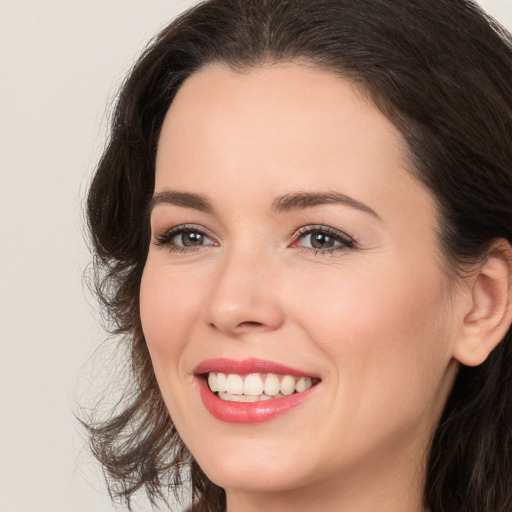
247, 398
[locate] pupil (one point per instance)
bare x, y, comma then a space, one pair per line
320, 240
192, 238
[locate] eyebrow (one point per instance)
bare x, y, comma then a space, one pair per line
184, 199
285, 203
301, 200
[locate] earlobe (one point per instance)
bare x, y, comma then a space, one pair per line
488, 319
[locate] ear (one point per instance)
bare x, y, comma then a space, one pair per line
489, 312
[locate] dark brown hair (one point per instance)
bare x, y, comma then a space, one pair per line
441, 71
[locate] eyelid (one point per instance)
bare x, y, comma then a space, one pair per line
166, 236
321, 227
347, 241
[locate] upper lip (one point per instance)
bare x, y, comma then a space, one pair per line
247, 366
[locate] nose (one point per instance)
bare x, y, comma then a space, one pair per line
244, 296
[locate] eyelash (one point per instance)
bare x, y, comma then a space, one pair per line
165, 239
345, 242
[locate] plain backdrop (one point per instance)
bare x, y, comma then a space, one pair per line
60, 64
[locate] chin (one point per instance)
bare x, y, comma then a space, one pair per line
257, 469
268, 480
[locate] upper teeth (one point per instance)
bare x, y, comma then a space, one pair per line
256, 384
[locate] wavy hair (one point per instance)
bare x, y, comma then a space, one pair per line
441, 71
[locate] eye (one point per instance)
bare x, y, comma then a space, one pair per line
323, 239
190, 239
185, 238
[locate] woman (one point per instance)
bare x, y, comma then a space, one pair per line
302, 225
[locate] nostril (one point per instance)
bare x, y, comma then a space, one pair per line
242, 326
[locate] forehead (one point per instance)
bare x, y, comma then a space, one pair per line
287, 100
280, 129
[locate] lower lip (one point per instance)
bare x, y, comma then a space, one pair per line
250, 412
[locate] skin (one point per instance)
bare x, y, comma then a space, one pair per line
377, 320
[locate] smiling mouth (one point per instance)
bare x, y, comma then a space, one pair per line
256, 387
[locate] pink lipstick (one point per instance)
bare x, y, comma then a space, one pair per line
252, 390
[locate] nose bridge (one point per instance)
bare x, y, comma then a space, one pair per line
244, 296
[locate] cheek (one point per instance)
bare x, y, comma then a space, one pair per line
387, 338
168, 308
376, 310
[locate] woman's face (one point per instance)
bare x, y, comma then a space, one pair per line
289, 240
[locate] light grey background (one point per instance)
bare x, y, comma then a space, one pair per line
60, 63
